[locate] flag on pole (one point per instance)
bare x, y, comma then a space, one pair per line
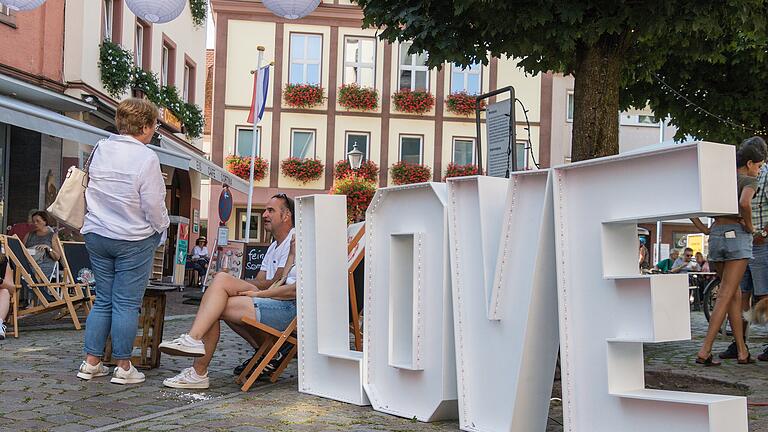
259, 100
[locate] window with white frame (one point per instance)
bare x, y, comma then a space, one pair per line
521, 155
463, 151
244, 141
303, 144
414, 73
569, 107
306, 58
165, 65
186, 87
360, 61
466, 79
361, 140
107, 19
410, 149
138, 46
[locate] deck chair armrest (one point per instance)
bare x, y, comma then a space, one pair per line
263, 327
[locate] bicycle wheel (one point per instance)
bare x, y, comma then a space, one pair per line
710, 297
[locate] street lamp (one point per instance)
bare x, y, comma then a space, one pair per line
355, 158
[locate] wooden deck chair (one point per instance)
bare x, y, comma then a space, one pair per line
355, 279
48, 296
273, 341
77, 268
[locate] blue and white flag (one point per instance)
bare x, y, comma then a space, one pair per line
259, 100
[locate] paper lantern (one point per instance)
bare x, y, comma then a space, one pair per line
156, 11
291, 9
22, 5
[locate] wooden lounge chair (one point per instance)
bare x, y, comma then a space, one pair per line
77, 268
47, 296
355, 273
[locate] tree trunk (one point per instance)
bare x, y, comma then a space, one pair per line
596, 100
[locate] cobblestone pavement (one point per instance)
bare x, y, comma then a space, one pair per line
39, 390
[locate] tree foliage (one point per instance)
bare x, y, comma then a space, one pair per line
608, 45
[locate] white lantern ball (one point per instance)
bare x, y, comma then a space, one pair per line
156, 11
22, 5
291, 9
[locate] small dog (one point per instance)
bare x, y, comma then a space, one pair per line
759, 312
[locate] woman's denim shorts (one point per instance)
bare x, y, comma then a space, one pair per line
722, 248
275, 313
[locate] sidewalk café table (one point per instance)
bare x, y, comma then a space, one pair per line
151, 322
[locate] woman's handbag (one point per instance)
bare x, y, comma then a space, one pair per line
69, 206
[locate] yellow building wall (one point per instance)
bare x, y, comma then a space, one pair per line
399, 127
242, 57
379, 70
291, 121
326, 34
239, 117
527, 88
371, 125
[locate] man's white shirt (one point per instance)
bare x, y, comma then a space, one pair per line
276, 257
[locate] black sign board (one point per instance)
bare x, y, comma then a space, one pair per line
252, 258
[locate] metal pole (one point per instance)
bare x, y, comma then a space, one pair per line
253, 152
659, 225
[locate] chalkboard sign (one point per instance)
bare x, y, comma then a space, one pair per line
253, 256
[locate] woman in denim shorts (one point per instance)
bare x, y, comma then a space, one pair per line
730, 248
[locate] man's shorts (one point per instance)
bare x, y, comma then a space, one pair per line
275, 313
722, 248
756, 276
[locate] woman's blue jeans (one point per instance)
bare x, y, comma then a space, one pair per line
122, 270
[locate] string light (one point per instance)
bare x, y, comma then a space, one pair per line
697, 108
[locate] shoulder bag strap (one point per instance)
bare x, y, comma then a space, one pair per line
88, 162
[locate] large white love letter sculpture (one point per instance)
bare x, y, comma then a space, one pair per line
327, 366
408, 352
504, 300
608, 310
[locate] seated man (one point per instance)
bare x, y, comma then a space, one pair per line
685, 263
665, 265
228, 298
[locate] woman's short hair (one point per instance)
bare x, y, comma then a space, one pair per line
755, 141
43, 215
750, 152
134, 114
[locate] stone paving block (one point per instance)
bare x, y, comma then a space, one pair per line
22, 415
64, 418
100, 421
71, 428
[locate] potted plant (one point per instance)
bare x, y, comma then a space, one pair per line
462, 103
303, 170
359, 192
352, 96
303, 95
456, 170
406, 173
241, 167
368, 170
413, 102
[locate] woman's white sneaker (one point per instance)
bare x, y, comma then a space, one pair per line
89, 372
130, 376
184, 346
187, 379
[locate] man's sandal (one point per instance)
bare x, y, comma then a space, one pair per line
708, 361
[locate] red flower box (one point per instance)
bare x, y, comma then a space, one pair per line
303, 170
241, 167
303, 95
368, 170
359, 192
405, 173
456, 170
352, 96
413, 102
462, 103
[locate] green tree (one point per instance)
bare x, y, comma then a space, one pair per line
607, 45
721, 99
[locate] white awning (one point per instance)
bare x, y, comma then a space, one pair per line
170, 153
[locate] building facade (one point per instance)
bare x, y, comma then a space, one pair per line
54, 105
329, 48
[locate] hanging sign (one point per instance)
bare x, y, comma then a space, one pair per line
225, 205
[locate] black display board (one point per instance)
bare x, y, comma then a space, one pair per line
252, 258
